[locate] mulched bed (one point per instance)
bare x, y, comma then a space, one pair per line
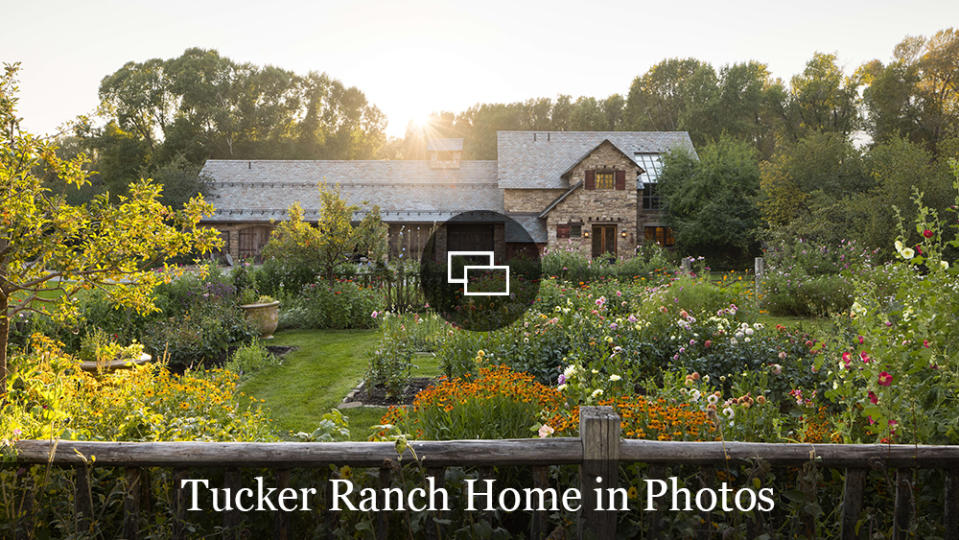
378, 397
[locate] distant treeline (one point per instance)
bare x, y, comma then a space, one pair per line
823, 149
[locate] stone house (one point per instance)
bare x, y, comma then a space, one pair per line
590, 191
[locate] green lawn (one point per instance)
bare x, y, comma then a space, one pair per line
314, 379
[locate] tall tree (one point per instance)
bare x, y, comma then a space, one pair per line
822, 98
916, 95
675, 94
711, 202
50, 249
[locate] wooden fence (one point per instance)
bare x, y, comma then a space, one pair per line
598, 452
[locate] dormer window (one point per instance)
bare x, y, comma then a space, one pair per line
445, 153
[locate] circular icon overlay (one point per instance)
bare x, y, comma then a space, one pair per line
480, 270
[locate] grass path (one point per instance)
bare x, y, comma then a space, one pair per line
314, 379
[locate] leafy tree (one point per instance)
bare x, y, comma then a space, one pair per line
675, 94
202, 105
711, 203
822, 98
916, 95
181, 181
50, 249
818, 170
331, 240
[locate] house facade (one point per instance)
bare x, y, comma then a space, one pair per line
594, 192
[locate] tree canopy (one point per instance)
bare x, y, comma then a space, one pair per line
50, 249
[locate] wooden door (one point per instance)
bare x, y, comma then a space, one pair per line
604, 240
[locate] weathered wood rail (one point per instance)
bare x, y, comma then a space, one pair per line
598, 452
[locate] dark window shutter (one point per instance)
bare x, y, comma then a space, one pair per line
590, 179
620, 180
562, 231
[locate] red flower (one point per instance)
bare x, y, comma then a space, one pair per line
864, 357
918, 249
885, 379
927, 233
846, 357
873, 397
708, 343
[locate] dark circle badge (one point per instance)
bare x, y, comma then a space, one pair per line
480, 270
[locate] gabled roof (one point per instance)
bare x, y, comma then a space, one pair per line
631, 159
408, 190
538, 159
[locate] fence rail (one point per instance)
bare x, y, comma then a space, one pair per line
598, 451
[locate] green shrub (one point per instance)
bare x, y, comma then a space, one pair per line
808, 279
344, 304
249, 358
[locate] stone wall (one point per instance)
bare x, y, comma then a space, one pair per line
529, 200
599, 206
252, 235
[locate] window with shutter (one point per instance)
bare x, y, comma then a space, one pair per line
590, 182
562, 231
605, 180
620, 180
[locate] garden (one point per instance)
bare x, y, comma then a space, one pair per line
827, 347
834, 343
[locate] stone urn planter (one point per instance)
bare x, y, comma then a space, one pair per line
265, 316
113, 365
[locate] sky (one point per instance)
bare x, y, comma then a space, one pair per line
414, 57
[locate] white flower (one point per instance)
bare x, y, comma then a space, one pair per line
614, 378
749, 331
596, 393
944, 265
898, 245
561, 387
732, 341
729, 413
695, 395
594, 371
712, 399
545, 431
907, 253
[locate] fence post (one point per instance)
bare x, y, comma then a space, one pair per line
759, 265
131, 503
951, 513
852, 502
902, 513
599, 429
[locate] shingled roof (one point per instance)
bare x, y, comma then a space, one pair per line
538, 159
407, 190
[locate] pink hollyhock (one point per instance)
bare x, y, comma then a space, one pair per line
927, 233
885, 379
846, 358
873, 397
864, 357
861, 340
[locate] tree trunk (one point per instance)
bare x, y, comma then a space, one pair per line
4, 334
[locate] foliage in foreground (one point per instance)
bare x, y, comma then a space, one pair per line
51, 398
